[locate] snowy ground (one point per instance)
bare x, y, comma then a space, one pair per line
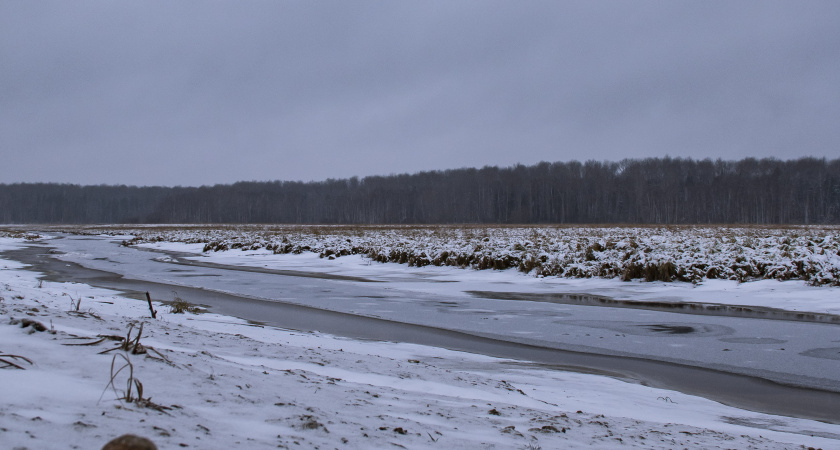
215, 381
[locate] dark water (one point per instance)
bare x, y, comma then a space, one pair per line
737, 390
698, 308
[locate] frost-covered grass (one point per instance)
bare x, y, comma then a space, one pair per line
674, 253
211, 381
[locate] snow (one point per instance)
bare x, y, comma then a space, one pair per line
791, 295
666, 253
230, 384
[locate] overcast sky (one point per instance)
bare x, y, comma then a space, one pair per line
205, 92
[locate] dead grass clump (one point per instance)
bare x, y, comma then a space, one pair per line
132, 384
632, 271
33, 325
307, 422
129, 344
134, 388
74, 304
666, 271
181, 306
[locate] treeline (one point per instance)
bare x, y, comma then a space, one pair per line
653, 191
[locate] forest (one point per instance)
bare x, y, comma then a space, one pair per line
631, 191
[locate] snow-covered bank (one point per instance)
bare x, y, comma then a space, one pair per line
791, 295
238, 385
663, 253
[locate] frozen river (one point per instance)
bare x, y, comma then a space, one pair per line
784, 365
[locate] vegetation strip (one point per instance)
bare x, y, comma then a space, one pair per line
687, 253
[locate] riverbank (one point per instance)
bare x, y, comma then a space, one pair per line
208, 377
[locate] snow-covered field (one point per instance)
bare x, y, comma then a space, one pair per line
211, 381
681, 253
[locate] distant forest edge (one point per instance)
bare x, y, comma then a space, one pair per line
646, 191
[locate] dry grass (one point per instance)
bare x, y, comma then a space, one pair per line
132, 384
128, 343
133, 392
7, 361
181, 306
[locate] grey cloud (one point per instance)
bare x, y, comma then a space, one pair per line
207, 92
